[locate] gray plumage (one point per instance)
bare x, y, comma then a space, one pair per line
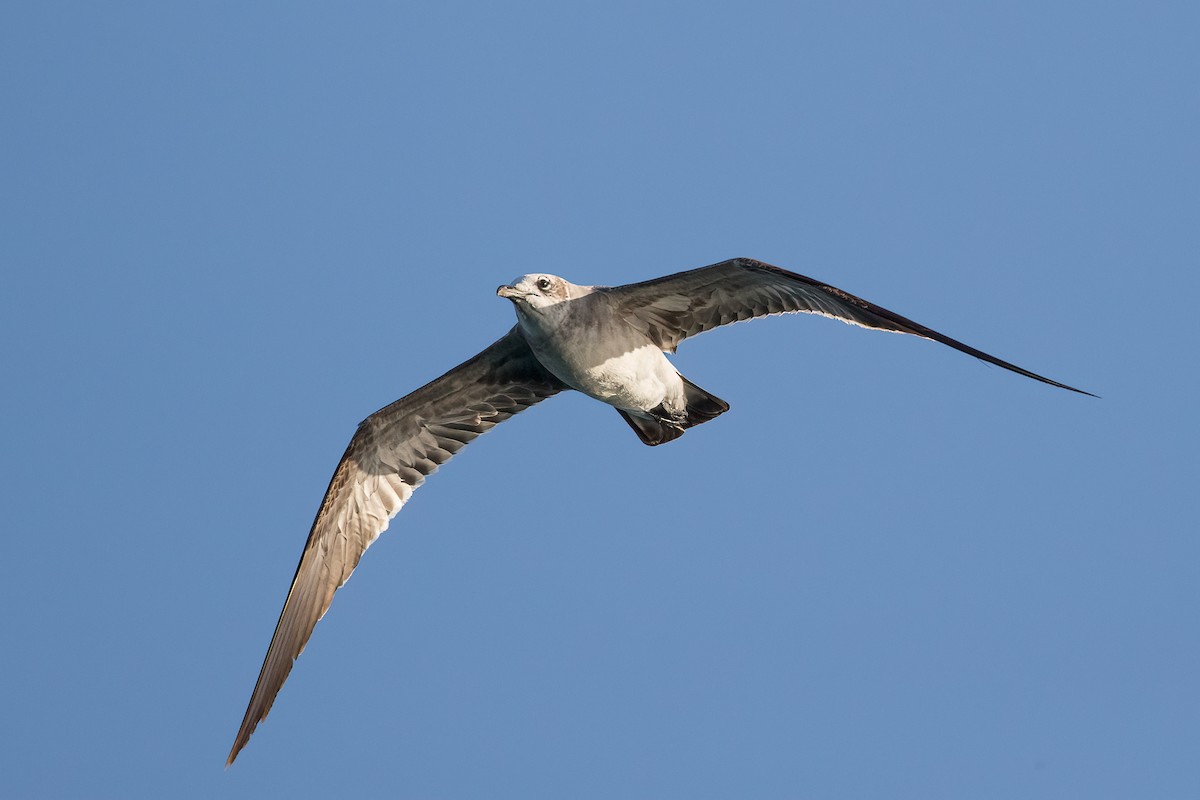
607, 342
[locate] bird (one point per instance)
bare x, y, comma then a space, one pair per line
608, 342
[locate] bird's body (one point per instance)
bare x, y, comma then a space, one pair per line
637, 380
592, 349
606, 342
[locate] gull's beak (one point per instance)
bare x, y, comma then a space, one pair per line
508, 291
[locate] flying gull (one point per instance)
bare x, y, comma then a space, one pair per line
605, 341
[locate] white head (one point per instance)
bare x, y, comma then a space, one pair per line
539, 293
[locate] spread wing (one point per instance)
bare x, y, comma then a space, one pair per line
390, 455
670, 309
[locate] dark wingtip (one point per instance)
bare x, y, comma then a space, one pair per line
1044, 380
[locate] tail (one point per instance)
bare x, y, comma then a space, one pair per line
658, 426
701, 406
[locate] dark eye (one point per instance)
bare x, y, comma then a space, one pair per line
543, 284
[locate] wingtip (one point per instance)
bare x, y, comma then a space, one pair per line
239, 744
1070, 388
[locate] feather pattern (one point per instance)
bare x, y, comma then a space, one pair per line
675, 307
391, 454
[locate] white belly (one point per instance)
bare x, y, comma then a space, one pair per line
638, 380
628, 374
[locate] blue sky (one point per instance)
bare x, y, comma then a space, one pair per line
232, 231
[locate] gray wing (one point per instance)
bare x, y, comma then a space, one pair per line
670, 309
390, 455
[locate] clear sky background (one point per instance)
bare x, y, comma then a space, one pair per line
231, 231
